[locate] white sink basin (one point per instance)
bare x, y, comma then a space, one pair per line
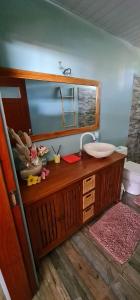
99, 150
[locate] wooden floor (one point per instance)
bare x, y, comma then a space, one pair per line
80, 270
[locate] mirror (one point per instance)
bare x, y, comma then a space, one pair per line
57, 105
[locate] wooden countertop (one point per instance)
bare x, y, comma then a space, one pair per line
63, 174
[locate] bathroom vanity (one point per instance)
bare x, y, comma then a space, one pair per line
72, 195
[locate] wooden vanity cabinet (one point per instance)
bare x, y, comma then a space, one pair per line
52, 219
59, 206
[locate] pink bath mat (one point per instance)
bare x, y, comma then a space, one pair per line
118, 232
137, 201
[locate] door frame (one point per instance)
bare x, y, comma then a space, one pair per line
11, 260
18, 215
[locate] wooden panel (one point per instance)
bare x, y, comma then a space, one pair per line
88, 213
88, 184
43, 222
72, 206
88, 199
108, 185
11, 261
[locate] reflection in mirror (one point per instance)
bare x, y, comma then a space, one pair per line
10, 92
48, 105
59, 106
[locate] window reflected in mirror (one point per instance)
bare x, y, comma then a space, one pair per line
10, 92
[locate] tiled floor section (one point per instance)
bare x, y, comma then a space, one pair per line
80, 270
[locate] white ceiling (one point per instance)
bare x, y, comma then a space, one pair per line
118, 17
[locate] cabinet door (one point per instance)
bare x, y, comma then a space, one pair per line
72, 205
108, 186
44, 223
54, 218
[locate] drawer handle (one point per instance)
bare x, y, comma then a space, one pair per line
89, 195
88, 179
87, 209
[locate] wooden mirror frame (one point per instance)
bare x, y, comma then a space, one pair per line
22, 74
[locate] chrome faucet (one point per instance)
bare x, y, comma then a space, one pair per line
81, 139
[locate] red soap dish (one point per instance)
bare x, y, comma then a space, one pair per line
71, 158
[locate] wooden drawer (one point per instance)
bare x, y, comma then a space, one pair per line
88, 184
88, 213
88, 199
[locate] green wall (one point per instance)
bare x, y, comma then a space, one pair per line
36, 35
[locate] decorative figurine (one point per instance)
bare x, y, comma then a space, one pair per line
29, 157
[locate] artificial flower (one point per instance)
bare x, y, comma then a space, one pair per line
33, 180
42, 150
